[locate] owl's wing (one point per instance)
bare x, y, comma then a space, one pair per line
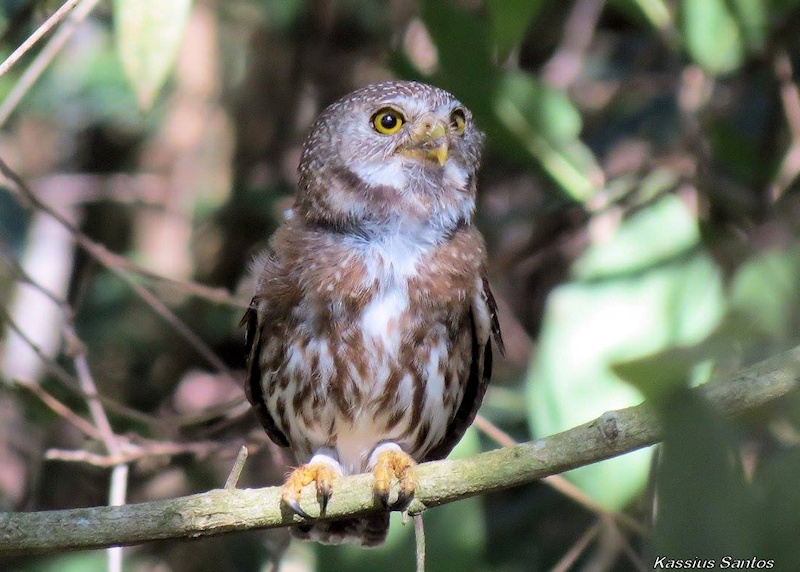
252, 384
483, 326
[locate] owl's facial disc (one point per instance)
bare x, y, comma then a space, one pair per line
427, 142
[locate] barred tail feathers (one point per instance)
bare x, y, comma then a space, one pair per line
366, 531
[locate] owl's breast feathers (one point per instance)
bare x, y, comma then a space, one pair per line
354, 341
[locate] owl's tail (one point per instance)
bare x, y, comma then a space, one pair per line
367, 531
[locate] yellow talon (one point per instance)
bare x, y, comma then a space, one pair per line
321, 474
392, 464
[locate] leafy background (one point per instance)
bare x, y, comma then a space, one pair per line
638, 195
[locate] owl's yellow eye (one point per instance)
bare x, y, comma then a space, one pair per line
458, 121
388, 121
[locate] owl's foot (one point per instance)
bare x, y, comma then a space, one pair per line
321, 470
389, 462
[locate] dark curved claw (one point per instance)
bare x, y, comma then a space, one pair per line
394, 464
404, 498
296, 508
325, 494
383, 497
322, 474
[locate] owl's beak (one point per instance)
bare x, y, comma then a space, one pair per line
428, 142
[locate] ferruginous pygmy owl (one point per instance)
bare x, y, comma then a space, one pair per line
369, 331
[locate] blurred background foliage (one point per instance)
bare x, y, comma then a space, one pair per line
639, 196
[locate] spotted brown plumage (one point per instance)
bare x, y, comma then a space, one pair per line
369, 330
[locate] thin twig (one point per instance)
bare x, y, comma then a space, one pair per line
119, 474
70, 383
90, 390
625, 546
236, 470
232, 411
40, 32
578, 548
234, 408
210, 293
45, 58
569, 490
419, 536
118, 492
164, 312
143, 190
59, 408
133, 452
49, 362
22, 275
94, 459
494, 432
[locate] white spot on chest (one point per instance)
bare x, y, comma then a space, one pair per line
381, 316
390, 262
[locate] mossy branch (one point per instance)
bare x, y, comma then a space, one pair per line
219, 511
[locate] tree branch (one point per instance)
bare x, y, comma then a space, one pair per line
440, 482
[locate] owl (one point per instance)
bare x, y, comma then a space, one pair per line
369, 333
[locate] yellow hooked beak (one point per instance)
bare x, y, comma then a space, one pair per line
428, 142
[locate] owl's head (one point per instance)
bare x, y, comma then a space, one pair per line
391, 151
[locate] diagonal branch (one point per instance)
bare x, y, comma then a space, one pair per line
440, 482
40, 32
102, 255
45, 57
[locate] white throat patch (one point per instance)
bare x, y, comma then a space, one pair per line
389, 174
455, 175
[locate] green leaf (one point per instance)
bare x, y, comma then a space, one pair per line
510, 20
660, 374
148, 34
663, 231
655, 12
762, 302
647, 288
712, 35
465, 56
95, 561
779, 519
705, 508
780, 8
546, 123
283, 13
764, 292
546, 110
741, 152
752, 18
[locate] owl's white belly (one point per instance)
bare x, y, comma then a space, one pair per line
385, 327
382, 331
373, 386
